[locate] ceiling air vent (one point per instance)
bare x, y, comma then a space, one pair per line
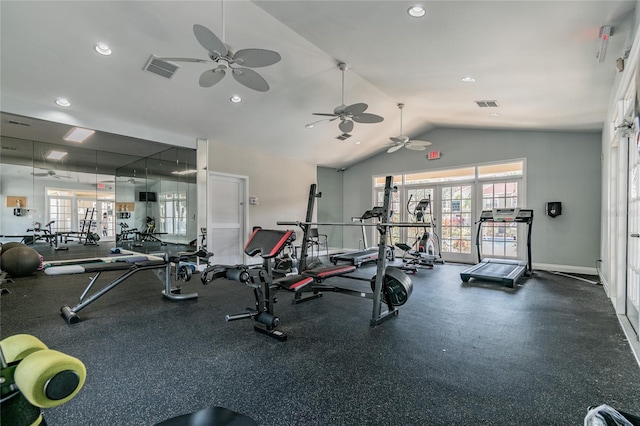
19, 123
343, 136
162, 68
487, 104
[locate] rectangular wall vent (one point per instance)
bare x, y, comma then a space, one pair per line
487, 104
19, 123
162, 68
343, 136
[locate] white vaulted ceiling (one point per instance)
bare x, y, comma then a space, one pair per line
537, 59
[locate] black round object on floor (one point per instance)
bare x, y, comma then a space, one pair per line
212, 416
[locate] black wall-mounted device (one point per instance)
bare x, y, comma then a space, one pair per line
553, 208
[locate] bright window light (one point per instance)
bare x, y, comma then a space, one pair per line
56, 155
184, 172
78, 134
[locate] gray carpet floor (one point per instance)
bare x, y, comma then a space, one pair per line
458, 353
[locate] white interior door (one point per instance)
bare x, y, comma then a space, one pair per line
633, 237
226, 222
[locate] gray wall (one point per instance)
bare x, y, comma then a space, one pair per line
560, 166
330, 205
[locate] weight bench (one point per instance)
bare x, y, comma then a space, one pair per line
268, 244
131, 265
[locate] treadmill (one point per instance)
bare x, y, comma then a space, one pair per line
357, 258
505, 271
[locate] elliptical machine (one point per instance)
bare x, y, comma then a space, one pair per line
425, 252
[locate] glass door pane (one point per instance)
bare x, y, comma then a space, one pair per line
394, 208
60, 214
456, 202
422, 197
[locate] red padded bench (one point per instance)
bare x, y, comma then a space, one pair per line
293, 282
322, 273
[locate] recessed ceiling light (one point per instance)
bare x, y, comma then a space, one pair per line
357, 142
469, 80
55, 155
63, 102
308, 126
416, 11
495, 114
102, 49
78, 134
235, 99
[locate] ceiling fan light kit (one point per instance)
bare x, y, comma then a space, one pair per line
403, 141
347, 114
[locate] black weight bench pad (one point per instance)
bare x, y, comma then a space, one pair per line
148, 263
325, 272
267, 242
293, 282
182, 256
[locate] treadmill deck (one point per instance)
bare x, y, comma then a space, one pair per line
502, 270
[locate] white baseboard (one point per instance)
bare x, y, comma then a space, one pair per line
569, 269
631, 336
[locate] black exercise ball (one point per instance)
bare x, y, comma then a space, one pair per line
6, 246
20, 261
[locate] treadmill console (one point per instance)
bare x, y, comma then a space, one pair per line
507, 215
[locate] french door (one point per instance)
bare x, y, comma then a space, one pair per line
456, 227
633, 236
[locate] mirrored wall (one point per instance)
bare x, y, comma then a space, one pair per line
85, 200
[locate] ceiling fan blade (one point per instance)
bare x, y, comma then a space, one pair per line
255, 58
367, 118
209, 40
356, 109
250, 78
211, 77
394, 148
324, 114
400, 139
40, 174
313, 123
408, 145
419, 143
346, 126
202, 61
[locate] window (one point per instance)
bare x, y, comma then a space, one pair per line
500, 239
458, 195
447, 175
173, 213
500, 170
60, 213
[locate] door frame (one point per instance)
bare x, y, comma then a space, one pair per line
244, 215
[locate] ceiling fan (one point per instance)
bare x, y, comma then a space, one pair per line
403, 141
347, 114
51, 173
221, 54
